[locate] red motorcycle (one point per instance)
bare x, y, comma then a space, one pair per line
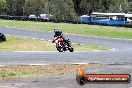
63, 45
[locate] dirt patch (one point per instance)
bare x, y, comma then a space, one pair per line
39, 71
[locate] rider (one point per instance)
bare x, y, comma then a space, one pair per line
58, 33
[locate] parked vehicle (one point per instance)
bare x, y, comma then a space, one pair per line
32, 18
110, 19
44, 16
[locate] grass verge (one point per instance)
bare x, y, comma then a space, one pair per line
22, 44
83, 29
40, 71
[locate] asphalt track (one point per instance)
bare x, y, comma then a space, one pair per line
119, 60
121, 54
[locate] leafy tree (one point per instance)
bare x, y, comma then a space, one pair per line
2, 6
119, 6
36, 7
77, 6
62, 10
14, 7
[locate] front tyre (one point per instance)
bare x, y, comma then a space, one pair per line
59, 49
71, 49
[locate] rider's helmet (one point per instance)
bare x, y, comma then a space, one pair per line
57, 32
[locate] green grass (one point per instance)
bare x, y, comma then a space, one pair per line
22, 74
89, 47
22, 44
31, 75
83, 29
14, 74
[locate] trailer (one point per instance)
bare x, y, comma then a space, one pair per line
109, 19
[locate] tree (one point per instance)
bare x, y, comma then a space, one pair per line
77, 6
36, 7
15, 7
119, 6
62, 10
2, 6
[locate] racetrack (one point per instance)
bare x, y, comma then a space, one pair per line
119, 60
121, 55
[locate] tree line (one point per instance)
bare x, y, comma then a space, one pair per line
62, 9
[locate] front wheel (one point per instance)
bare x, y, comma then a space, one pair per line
71, 49
59, 49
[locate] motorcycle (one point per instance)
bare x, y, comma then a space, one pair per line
63, 45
